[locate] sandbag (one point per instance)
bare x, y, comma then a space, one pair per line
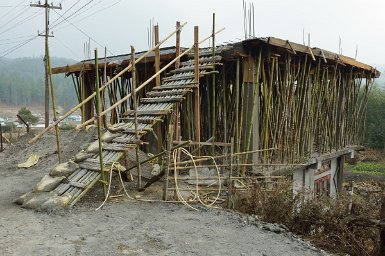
48, 183
25, 197
81, 156
64, 169
109, 136
37, 199
94, 147
32, 160
55, 202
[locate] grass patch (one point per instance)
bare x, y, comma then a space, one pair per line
370, 168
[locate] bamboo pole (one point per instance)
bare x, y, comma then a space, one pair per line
237, 132
197, 114
134, 99
102, 88
213, 90
99, 123
230, 182
177, 43
53, 105
158, 128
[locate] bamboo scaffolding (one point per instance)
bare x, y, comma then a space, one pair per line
103, 87
139, 88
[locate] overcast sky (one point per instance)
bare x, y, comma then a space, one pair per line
118, 24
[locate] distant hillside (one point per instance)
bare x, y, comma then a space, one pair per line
22, 82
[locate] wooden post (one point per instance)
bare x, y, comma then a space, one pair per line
382, 218
99, 119
158, 126
340, 163
24, 122
157, 55
177, 43
213, 90
135, 103
237, 77
229, 185
168, 159
57, 133
197, 114
1, 138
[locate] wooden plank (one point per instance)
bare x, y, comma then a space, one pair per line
162, 100
170, 87
317, 52
168, 92
155, 112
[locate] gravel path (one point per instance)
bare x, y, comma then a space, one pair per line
124, 228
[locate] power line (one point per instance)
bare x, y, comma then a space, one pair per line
14, 48
81, 31
9, 6
14, 8
13, 38
90, 7
93, 13
67, 47
53, 23
30, 17
17, 15
66, 18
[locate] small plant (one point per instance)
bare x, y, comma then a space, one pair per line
26, 114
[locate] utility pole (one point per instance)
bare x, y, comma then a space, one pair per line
46, 35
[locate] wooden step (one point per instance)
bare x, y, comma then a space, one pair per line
164, 99
169, 92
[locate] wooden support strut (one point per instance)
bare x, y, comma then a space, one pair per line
102, 88
158, 128
197, 115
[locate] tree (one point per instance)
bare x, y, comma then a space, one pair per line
375, 119
26, 114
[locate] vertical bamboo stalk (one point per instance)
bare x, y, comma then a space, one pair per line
229, 185
158, 128
177, 43
157, 55
99, 121
213, 89
237, 142
53, 105
135, 102
197, 114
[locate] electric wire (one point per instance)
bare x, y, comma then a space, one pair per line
84, 33
90, 15
12, 49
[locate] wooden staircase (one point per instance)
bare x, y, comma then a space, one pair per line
158, 103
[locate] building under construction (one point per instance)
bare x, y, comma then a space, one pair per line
258, 109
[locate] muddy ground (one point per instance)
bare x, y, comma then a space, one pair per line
122, 227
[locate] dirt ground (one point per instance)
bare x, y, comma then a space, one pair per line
123, 227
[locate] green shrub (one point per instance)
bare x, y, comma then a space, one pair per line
27, 116
370, 168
